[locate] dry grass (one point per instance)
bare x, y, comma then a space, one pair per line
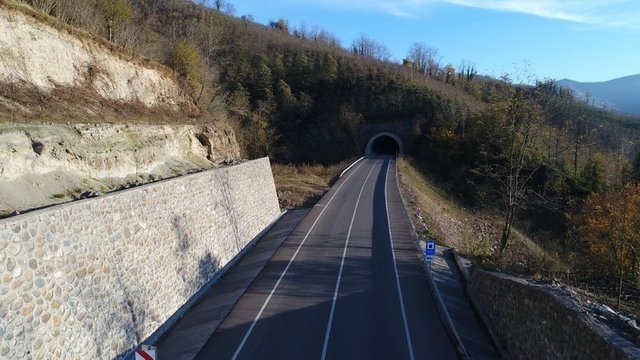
300, 186
475, 235
20, 102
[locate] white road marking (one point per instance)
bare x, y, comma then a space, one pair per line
395, 268
344, 254
284, 272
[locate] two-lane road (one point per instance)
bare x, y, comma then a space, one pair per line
346, 284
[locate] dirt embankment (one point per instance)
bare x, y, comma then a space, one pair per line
474, 234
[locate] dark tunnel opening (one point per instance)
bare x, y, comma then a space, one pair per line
384, 145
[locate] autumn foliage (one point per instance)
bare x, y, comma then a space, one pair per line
608, 228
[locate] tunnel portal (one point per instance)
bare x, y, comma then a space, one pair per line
385, 143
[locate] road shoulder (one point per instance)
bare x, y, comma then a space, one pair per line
187, 337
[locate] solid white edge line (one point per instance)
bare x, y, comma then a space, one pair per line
266, 302
442, 309
395, 267
344, 254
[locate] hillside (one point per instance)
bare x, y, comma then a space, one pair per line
80, 116
285, 93
621, 95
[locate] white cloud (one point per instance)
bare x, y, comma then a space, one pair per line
611, 13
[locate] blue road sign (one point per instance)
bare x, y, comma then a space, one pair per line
430, 250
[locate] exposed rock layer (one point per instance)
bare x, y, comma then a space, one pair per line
44, 164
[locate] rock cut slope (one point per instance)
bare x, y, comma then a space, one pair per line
38, 55
80, 116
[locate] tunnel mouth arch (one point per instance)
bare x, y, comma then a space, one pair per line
384, 143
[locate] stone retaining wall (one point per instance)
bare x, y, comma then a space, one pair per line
533, 321
95, 277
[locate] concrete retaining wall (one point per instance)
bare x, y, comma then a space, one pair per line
534, 321
95, 277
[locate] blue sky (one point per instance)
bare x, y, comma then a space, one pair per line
584, 40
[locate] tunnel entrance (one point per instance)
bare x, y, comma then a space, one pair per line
385, 143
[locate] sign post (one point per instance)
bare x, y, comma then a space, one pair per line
146, 352
430, 251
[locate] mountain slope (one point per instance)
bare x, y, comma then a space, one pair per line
621, 95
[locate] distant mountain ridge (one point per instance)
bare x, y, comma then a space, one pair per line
621, 95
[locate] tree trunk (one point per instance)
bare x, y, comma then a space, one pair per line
110, 28
575, 161
506, 230
619, 291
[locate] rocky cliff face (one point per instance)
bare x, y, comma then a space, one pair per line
80, 117
37, 54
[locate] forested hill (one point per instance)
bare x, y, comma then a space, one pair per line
296, 94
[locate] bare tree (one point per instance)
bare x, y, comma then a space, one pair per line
517, 119
316, 34
583, 137
301, 32
325, 36
369, 48
48, 6
229, 9
424, 58
467, 71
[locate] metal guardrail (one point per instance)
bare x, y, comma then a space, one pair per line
350, 166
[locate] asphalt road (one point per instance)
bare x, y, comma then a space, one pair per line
346, 284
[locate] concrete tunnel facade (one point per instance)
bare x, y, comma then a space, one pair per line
384, 142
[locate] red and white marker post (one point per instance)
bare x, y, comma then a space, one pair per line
146, 352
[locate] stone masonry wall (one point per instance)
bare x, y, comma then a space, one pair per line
92, 278
534, 321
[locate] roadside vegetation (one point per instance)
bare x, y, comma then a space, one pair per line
536, 181
300, 186
473, 233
